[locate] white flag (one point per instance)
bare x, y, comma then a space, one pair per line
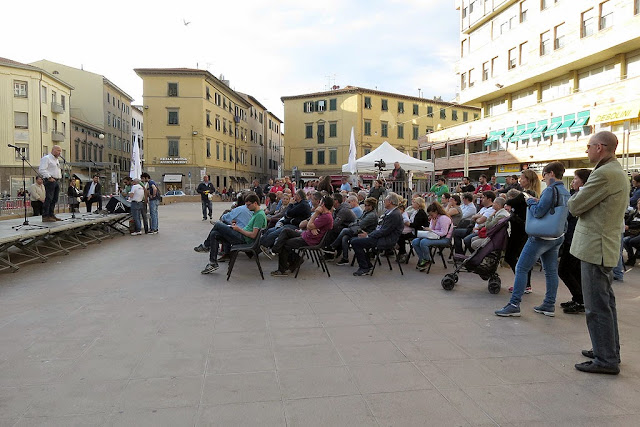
136, 166
352, 153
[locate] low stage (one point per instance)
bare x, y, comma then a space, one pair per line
38, 241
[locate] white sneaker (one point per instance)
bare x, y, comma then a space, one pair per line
136, 233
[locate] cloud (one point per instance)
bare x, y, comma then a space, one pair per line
268, 49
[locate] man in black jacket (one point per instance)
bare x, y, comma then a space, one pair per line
93, 193
384, 237
204, 189
258, 190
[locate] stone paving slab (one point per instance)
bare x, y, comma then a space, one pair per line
130, 333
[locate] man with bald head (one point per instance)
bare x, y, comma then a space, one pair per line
599, 206
51, 174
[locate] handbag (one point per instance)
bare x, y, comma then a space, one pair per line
428, 234
552, 224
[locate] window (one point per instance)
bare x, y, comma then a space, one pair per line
224, 152
465, 116
217, 151
471, 78
208, 148
429, 111
463, 81
454, 115
545, 43
23, 150
416, 109
308, 157
21, 120
523, 98
45, 125
544, 4
172, 90
523, 10
174, 148
320, 133
496, 107
321, 157
606, 14
218, 123
54, 96
465, 12
494, 66
308, 130
333, 130
588, 22
636, 7
524, 53
367, 102
333, 104
207, 92
367, 127
416, 132
512, 59
173, 117
208, 119
400, 131
471, 6
333, 157
597, 76
463, 47
485, 71
366, 151
385, 105
384, 129
558, 36
321, 106
443, 113
633, 66
19, 89
400, 107
308, 107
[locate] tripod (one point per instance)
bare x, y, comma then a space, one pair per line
24, 193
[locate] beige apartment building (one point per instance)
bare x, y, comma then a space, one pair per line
34, 111
547, 74
274, 146
319, 125
195, 124
105, 111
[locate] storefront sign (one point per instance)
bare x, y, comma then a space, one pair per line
615, 113
308, 174
510, 168
173, 160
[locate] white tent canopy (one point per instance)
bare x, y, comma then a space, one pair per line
390, 155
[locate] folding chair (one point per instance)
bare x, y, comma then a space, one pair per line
252, 249
316, 254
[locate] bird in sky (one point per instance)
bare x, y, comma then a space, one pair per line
185, 22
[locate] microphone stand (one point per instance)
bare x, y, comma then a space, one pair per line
24, 194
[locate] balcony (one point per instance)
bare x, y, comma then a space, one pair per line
57, 108
57, 136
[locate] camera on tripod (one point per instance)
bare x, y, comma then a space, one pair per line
380, 164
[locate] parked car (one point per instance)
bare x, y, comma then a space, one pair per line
175, 193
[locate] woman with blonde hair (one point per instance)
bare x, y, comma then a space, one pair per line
441, 227
530, 182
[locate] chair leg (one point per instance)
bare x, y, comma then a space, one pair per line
411, 252
399, 263
441, 252
232, 261
256, 254
432, 252
389, 260
321, 260
376, 261
325, 267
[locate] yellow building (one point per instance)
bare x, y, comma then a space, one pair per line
34, 111
274, 146
319, 125
195, 124
547, 74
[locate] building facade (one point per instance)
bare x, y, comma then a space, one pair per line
195, 124
137, 129
547, 75
98, 103
274, 146
34, 116
319, 125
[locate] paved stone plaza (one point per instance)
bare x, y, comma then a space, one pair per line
129, 333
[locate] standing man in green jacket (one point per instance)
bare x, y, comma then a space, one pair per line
600, 207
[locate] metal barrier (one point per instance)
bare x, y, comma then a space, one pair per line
15, 205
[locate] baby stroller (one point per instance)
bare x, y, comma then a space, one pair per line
484, 261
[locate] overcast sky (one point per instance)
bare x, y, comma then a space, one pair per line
266, 49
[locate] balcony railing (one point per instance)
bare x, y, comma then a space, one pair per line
57, 136
57, 108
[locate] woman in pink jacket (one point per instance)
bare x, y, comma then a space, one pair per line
440, 225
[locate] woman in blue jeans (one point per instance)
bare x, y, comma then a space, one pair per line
440, 224
544, 248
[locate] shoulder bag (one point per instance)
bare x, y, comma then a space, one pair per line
552, 224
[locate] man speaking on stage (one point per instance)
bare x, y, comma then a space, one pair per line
50, 172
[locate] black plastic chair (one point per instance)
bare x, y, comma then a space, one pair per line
385, 251
316, 254
251, 249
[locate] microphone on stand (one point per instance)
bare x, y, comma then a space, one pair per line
13, 146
